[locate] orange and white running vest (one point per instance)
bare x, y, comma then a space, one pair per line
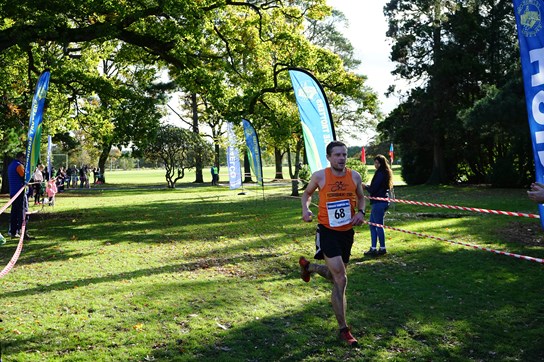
337, 201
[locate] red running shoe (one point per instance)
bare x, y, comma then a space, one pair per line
345, 335
304, 273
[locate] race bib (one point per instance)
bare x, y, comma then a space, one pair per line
339, 212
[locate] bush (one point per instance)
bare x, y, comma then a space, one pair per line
504, 173
416, 167
304, 174
358, 166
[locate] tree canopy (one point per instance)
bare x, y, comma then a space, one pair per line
462, 59
106, 59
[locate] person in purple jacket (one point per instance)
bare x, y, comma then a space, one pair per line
380, 186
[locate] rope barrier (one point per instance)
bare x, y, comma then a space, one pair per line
530, 258
19, 248
16, 255
473, 209
10, 201
494, 212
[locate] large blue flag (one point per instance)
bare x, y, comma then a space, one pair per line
35, 125
531, 44
315, 116
254, 151
233, 159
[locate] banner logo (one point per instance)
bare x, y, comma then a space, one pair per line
530, 18
307, 92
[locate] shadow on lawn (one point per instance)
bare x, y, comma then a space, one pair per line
415, 309
413, 306
199, 219
434, 303
144, 272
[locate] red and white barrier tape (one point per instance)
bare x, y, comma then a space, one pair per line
530, 258
19, 248
10, 201
474, 209
15, 256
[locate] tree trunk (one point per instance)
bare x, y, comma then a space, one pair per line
199, 178
278, 155
102, 161
294, 175
217, 163
438, 174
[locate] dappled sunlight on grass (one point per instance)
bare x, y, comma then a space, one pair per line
205, 274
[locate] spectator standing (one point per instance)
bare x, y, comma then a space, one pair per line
73, 176
60, 177
380, 186
216, 175
51, 190
84, 177
19, 207
38, 179
213, 170
68, 178
96, 174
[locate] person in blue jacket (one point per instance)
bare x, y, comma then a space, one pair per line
380, 186
19, 207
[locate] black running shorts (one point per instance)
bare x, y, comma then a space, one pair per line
333, 243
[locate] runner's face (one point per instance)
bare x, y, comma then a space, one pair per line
338, 158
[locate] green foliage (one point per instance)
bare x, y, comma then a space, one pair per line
504, 173
416, 166
109, 61
178, 149
498, 133
357, 165
458, 51
305, 175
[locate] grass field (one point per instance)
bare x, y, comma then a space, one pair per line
156, 176
128, 272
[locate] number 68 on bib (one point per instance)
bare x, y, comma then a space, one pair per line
339, 212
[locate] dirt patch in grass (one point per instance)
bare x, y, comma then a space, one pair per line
523, 233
